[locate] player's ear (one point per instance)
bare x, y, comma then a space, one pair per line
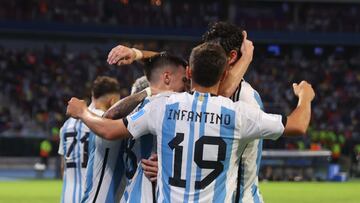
167, 77
188, 72
233, 55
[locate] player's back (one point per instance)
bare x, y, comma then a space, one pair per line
248, 183
105, 168
199, 142
74, 146
138, 187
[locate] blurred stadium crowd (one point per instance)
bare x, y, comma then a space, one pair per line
41, 82
290, 16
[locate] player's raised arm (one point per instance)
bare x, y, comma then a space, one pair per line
298, 121
125, 106
121, 55
257, 124
233, 78
103, 127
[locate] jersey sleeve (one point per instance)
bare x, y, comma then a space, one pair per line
61, 143
255, 124
144, 121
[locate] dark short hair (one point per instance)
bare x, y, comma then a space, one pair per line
208, 62
227, 34
104, 85
161, 60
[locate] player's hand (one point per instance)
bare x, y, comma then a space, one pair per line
76, 107
121, 55
247, 48
150, 167
304, 90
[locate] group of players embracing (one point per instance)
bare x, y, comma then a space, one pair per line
189, 132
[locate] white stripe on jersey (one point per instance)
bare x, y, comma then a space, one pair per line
138, 188
105, 169
73, 143
250, 159
198, 140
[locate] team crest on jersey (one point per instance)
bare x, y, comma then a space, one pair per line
201, 98
137, 115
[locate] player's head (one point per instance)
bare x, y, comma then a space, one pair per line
208, 62
166, 72
229, 36
105, 91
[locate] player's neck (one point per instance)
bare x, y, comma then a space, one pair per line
100, 106
212, 90
156, 89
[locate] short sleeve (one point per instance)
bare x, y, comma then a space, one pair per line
255, 124
61, 143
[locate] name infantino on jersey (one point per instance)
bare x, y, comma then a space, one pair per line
207, 117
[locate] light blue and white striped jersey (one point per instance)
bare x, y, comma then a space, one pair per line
74, 147
248, 182
200, 139
105, 170
139, 188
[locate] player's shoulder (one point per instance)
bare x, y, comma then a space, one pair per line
97, 111
69, 123
161, 97
249, 95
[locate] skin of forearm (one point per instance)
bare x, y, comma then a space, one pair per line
103, 127
233, 78
125, 106
148, 54
298, 121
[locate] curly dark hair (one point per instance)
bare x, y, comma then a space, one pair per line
227, 34
104, 85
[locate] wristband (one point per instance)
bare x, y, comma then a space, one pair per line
138, 54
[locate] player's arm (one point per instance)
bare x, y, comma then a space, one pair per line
121, 55
298, 121
258, 124
103, 127
233, 78
125, 106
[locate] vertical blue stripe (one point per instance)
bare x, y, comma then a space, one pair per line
190, 150
168, 133
75, 169
118, 171
258, 100
79, 165
63, 157
227, 133
135, 196
90, 169
254, 188
255, 194
202, 132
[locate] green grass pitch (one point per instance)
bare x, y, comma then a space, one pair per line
48, 191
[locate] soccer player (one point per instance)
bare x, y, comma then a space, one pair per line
230, 38
164, 73
238, 48
76, 140
200, 136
